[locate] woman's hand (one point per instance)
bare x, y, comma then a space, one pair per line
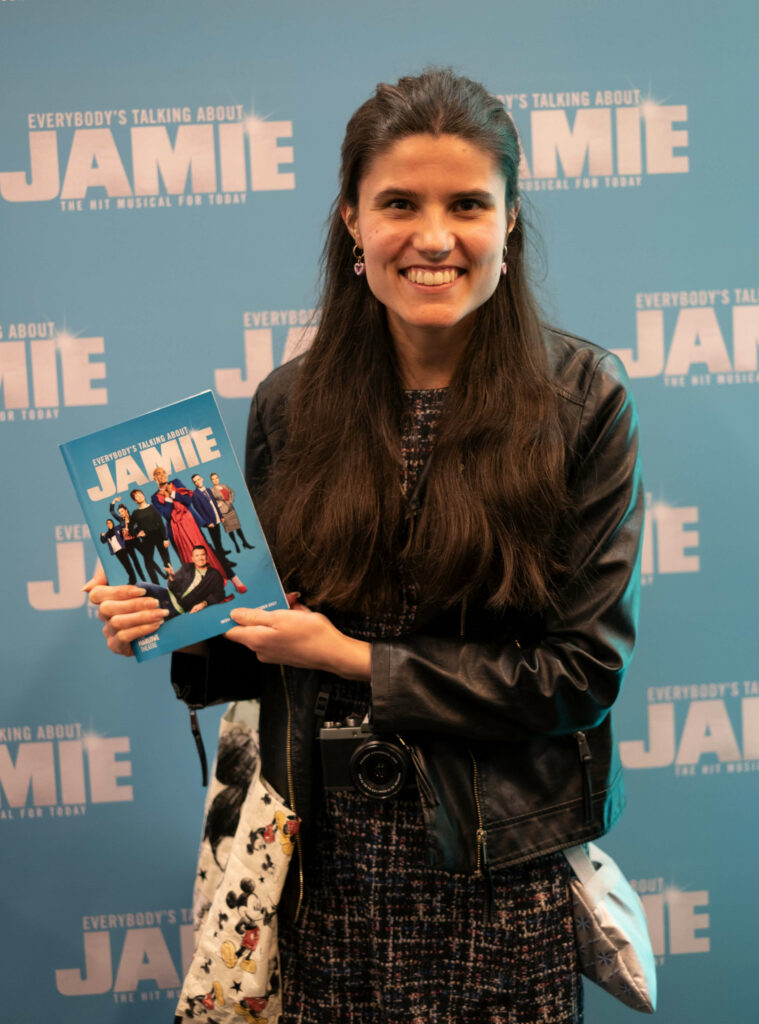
302, 639
127, 613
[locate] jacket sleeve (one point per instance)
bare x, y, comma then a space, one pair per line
569, 679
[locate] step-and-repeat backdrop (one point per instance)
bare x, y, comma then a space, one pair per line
165, 174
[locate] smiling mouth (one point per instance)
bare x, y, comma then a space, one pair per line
420, 275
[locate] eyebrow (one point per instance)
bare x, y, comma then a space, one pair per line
406, 193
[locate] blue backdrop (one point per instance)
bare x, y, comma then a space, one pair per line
165, 173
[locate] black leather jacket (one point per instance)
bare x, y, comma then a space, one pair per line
507, 716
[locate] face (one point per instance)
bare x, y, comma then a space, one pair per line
214, 478
200, 558
160, 476
109, 523
197, 480
432, 221
139, 497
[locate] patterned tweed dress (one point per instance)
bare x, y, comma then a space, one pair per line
385, 939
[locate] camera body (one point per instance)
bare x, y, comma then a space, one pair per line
355, 757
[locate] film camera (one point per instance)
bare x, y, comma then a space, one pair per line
353, 756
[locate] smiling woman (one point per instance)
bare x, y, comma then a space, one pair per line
453, 488
431, 218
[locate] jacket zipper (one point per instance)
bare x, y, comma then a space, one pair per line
481, 834
481, 838
587, 785
291, 793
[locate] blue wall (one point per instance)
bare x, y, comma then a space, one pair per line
125, 287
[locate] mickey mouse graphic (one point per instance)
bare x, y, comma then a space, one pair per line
208, 1000
252, 914
250, 1007
285, 827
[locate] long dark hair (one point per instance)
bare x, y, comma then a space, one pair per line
495, 491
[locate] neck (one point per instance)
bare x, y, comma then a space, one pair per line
428, 357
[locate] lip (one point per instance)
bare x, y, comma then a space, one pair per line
427, 277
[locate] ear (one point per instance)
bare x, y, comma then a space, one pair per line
350, 219
512, 218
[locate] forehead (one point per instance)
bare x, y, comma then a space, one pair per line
448, 160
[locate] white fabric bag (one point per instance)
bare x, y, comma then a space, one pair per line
613, 943
248, 841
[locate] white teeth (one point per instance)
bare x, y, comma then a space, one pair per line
431, 277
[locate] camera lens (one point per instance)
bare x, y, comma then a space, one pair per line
379, 769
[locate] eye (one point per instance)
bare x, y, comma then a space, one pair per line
469, 205
398, 204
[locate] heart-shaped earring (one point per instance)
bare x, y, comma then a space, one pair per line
359, 266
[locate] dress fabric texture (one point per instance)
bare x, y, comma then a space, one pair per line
384, 938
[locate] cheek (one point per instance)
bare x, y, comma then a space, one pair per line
378, 245
380, 248
487, 246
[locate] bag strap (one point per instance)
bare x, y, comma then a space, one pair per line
320, 707
596, 871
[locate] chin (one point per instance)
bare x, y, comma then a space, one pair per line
438, 319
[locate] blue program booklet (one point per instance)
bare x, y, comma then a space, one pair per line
168, 509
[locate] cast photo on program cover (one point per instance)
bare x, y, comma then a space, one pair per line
173, 520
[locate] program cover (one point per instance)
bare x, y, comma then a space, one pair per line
168, 509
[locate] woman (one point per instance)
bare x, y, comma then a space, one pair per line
454, 486
225, 499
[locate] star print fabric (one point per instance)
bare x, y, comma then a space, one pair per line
248, 841
613, 943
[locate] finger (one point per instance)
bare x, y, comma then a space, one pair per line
99, 579
252, 617
114, 644
122, 593
153, 618
252, 636
120, 648
110, 608
126, 636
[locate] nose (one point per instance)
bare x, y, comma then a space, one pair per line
433, 237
